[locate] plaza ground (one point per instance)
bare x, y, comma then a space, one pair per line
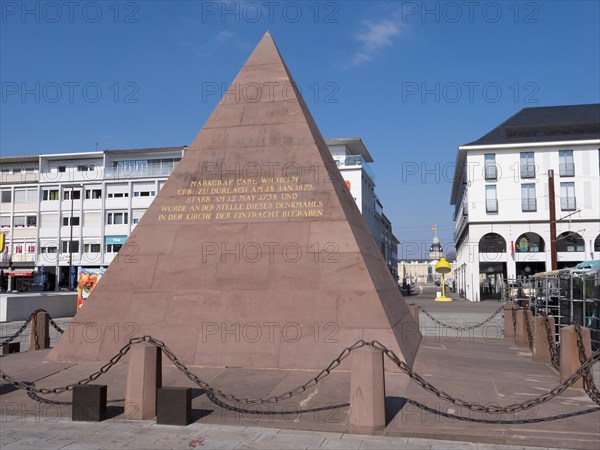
476, 366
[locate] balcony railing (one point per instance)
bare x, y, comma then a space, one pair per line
491, 205
529, 204
491, 172
568, 204
357, 161
566, 169
124, 173
528, 171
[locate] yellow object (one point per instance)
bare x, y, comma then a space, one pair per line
443, 267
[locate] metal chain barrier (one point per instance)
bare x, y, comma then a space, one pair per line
105, 368
18, 332
461, 328
528, 329
554, 355
588, 379
477, 407
514, 320
23, 327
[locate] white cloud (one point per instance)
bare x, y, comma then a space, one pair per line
376, 35
224, 36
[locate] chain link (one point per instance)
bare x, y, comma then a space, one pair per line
514, 320
528, 328
588, 380
583, 371
461, 328
554, 355
22, 328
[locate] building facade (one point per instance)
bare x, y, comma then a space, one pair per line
501, 193
61, 212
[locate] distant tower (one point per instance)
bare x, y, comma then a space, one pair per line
435, 251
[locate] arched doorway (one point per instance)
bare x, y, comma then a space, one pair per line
492, 267
529, 243
569, 242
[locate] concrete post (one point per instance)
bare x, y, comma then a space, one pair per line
39, 330
143, 379
414, 312
569, 352
509, 331
541, 346
367, 391
521, 338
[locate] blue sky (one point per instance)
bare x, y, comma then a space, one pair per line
414, 80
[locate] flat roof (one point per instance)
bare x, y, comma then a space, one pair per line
356, 146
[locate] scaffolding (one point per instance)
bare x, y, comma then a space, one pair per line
568, 296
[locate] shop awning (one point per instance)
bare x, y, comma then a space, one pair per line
19, 273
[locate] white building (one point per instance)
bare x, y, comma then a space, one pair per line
65, 211
501, 197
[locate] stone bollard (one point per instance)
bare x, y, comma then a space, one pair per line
509, 331
521, 337
143, 379
541, 346
40, 332
367, 391
414, 312
11, 347
89, 403
569, 352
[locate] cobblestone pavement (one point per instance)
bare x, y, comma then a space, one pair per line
17, 433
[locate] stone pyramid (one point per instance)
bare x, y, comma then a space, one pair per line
254, 253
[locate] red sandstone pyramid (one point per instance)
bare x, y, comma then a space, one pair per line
254, 253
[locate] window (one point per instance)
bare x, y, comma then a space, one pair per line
527, 165
567, 196
19, 221
67, 194
28, 195
91, 248
569, 242
93, 193
49, 195
528, 200
117, 194
492, 243
491, 202
31, 221
70, 221
62, 169
117, 218
113, 248
4, 222
85, 168
529, 243
73, 248
144, 193
491, 172
49, 248
566, 166
6, 197
136, 215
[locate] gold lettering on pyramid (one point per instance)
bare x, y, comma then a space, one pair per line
241, 199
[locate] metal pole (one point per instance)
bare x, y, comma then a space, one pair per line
553, 264
71, 244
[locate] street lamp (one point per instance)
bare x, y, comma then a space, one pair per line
443, 267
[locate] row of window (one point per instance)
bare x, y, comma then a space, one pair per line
73, 247
532, 242
65, 247
529, 199
566, 166
30, 195
112, 218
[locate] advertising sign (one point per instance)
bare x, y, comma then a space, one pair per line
88, 278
